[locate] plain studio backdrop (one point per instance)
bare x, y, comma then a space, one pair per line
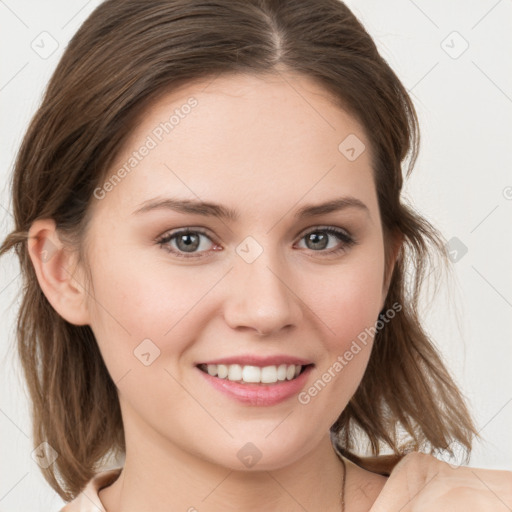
454, 58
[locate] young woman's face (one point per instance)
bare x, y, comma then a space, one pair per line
280, 281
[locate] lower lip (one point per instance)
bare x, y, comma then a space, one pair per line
259, 394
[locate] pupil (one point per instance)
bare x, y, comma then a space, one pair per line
316, 238
190, 243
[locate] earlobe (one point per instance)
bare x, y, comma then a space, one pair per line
55, 267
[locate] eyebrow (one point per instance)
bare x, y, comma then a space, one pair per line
209, 209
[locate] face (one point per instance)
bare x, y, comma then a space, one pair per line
260, 282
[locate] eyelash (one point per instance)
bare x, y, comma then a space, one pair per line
347, 240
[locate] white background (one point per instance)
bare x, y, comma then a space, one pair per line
462, 183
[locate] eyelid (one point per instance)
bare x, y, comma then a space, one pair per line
326, 227
186, 229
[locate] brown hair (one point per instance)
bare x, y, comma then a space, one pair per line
126, 54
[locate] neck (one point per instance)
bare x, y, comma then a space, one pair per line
157, 477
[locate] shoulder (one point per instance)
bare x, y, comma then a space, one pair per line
421, 480
88, 500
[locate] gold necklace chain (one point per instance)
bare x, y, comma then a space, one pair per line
343, 482
343, 486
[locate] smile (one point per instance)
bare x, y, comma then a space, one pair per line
253, 374
256, 385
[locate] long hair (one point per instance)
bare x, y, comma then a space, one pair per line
126, 54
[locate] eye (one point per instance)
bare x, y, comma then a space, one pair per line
195, 243
186, 243
320, 239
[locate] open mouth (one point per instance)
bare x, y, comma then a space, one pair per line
247, 374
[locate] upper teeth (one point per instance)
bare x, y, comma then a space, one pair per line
253, 374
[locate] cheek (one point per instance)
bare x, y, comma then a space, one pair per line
348, 303
341, 368
132, 302
148, 312
348, 299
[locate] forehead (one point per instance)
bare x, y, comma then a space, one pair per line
244, 138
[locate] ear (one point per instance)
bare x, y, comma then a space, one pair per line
392, 253
56, 269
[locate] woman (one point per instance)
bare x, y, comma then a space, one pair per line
209, 222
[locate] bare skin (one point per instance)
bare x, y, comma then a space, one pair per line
265, 149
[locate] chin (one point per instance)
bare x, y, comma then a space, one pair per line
258, 454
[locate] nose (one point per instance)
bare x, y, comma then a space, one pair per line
262, 297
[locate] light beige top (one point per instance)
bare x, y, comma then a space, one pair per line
405, 479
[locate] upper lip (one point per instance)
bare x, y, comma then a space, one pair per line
254, 360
